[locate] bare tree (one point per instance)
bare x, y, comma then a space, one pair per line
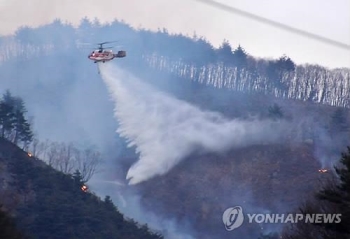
67, 158
34, 147
87, 162
38, 149
42, 149
52, 154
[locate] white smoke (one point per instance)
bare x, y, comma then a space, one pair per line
165, 130
129, 203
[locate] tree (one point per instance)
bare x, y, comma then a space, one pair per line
52, 154
59, 34
14, 125
22, 130
225, 53
240, 57
276, 70
109, 203
67, 157
87, 162
85, 29
66, 161
284, 63
340, 195
6, 118
78, 178
275, 112
332, 198
36, 148
27, 35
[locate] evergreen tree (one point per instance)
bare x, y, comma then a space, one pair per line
276, 69
340, 195
240, 57
22, 129
333, 198
225, 53
275, 112
109, 203
85, 30
78, 178
7, 118
14, 126
284, 63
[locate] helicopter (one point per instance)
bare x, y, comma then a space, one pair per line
103, 55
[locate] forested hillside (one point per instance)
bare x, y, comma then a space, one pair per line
46, 203
192, 58
51, 200
68, 102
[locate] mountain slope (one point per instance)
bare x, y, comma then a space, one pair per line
260, 178
50, 204
58, 85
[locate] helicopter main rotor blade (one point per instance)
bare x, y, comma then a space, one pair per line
106, 42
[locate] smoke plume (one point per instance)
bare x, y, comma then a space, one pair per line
164, 130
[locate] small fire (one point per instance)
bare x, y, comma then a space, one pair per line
322, 170
84, 188
29, 154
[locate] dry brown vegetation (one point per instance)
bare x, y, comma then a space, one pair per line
273, 177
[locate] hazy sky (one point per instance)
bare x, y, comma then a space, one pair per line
330, 19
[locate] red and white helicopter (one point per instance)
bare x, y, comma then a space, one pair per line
103, 55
